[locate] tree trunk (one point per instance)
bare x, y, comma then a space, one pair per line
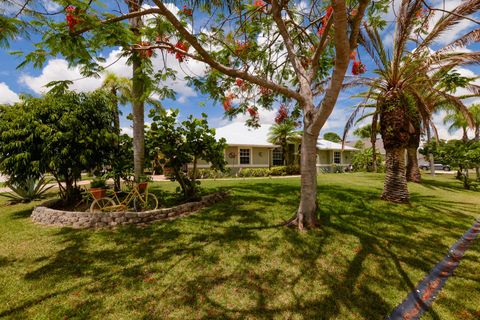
431, 160
413, 172
395, 187
306, 215
137, 103
464, 135
373, 141
477, 138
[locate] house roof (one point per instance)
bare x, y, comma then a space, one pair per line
368, 144
329, 145
238, 134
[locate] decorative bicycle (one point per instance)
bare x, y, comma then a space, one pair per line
142, 201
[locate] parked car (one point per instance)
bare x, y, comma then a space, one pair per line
438, 166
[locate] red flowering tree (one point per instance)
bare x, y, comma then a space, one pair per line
257, 52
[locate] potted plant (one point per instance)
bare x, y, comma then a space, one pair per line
98, 187
143, 182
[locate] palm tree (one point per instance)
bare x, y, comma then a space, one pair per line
283, 134
120, 88
403, 79
457, 121
475, 111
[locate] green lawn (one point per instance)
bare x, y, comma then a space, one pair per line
231, 261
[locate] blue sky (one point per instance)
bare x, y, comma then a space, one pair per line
31, 81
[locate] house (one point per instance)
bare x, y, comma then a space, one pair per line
249, 148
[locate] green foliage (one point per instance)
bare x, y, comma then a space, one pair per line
363, 160
28, 190
59, 134
213, 174
364, 132
121, 163
332, 136
273, 171
283, 134
456, 153
185, 143
98, 182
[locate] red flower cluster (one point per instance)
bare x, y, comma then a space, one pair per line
241, 47
252, 111
358, 68
72, 19
282, 114
186, 11
227, 102
353, 55
323, 24
145, 53
259, 3
421, 13
353, 12
265, 91
161, 38
182, 46
241, 84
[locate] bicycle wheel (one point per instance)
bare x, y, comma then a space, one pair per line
100, 205
145, 202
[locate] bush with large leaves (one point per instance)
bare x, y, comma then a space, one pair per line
184, 143
61, 134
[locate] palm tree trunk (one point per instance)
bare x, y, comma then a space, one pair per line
431, 160
116, 127
413, 172
395, 187
373, 141
306, 215
464, 135
477, 138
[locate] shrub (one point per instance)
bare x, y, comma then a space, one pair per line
278, 171
212, 174
29, 190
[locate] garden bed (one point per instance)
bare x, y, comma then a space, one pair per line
46, 214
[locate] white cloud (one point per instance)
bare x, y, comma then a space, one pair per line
50, 5
57, 69
442, 129
127, 130
7, 96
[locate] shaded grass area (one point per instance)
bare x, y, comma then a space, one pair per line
232, 261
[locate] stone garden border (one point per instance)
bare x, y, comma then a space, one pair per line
42, 214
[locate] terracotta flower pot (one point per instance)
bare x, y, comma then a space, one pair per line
142, 186
98, 193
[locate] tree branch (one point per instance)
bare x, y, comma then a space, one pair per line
208, 59
120, 18
297, 66
342, 58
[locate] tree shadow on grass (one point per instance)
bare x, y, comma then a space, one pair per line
232, 260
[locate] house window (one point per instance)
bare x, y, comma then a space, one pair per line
277, 157
244, 156
337, 157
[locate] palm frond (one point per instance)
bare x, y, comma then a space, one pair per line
472, 36
458, 104
449, 20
